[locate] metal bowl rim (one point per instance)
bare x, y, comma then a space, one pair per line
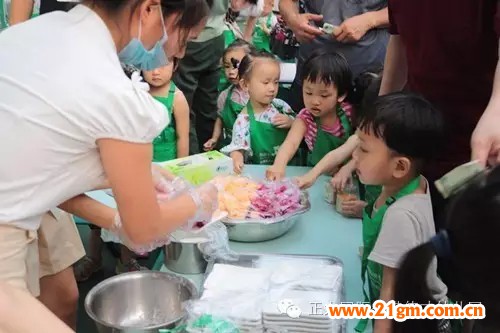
186, 282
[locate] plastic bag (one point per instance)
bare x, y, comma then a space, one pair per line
217, 246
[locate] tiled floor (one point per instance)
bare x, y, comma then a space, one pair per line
85, 324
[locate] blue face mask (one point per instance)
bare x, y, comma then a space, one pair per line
134, 53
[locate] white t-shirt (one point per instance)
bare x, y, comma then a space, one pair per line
61, 89
408, 223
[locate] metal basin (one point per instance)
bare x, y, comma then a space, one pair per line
183, 254
250, 232
139, 302
260, 230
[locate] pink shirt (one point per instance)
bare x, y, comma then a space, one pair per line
312, 129
238, 96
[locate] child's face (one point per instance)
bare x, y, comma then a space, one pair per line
263, 83
160, 76
376, 164
320, 99
231, 72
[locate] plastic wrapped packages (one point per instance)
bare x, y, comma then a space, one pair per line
273, 293
275, 199
248, 200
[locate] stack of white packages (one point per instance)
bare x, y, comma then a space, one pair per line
301, 290
279, 294
236, 294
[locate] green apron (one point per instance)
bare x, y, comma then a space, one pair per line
326, 142
265, 139
165, 144
229, 114
370, 192
372, 224
261, 40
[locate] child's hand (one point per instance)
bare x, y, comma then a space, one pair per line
353, 208
275, 173
305, 181
340, 179
210, 144
238, 161
282, 121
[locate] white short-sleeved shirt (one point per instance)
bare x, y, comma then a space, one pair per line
61, 89
408, 223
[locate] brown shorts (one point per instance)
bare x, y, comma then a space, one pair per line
26, 256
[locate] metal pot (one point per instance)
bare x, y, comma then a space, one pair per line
139, 302
183, 254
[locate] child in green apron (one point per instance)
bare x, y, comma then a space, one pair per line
336, 159
263, 124
397, 135
325, 122
261, 38
232, 33
173, 142
232, 100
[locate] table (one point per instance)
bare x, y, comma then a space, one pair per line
321, 231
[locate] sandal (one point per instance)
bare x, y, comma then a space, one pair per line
85, 268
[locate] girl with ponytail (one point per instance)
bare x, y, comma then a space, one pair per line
468, 246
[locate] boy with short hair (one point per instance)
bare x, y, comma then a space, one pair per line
397, 135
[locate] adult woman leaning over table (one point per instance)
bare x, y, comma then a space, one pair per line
71, 122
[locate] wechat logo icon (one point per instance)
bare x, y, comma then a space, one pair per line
286, 306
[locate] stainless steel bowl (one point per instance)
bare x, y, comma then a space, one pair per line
139, 302
183, 254
250, 232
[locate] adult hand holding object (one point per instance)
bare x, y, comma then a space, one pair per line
354, 28
485, 142
301, 27
205, 198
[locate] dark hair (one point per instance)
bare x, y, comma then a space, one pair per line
247, 63
472, 223
192, 11
238, 44
366, 88
407, 123
329, 68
